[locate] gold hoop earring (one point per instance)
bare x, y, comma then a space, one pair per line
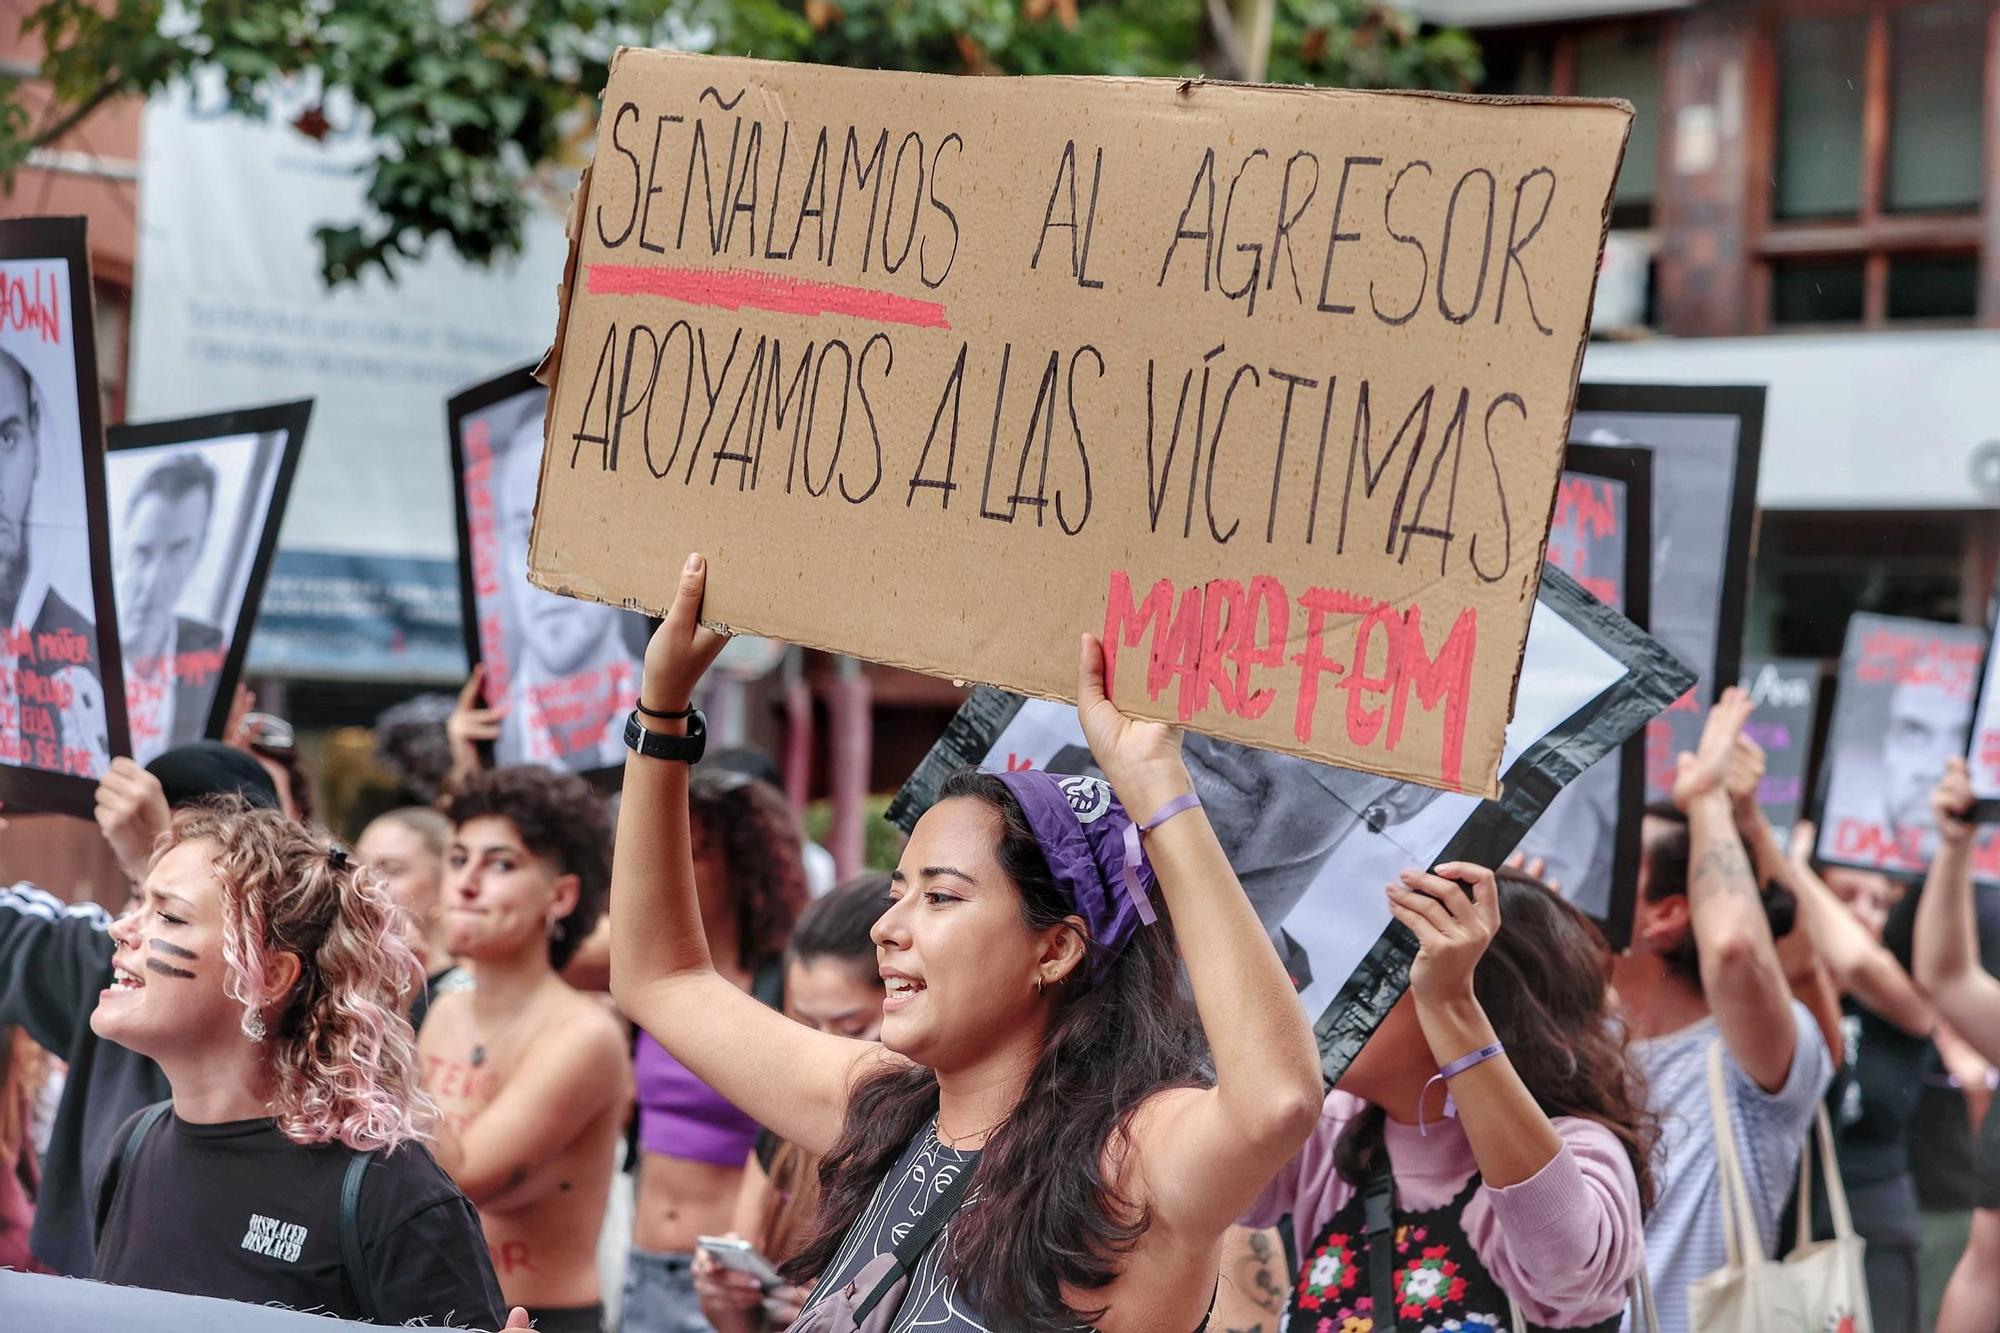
1038, 983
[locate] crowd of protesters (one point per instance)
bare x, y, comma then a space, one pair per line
1049, 1074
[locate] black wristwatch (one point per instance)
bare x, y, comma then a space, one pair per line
641, 739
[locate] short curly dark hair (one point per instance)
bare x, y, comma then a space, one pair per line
763, 854
558, 816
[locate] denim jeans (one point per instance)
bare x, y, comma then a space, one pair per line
660, 1295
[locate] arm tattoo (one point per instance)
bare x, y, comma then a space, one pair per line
1257, 1282
1723, 869
1271, 1293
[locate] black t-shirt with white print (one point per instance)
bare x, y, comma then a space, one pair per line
239, 1211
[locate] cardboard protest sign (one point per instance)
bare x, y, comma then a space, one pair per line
1706, 440
62, 697
195, 510
1588, 839
567, 671
76, 1305
1313, 844
1786, 693
1267, 385
1902, 707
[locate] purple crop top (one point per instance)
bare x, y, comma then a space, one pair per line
680, 1116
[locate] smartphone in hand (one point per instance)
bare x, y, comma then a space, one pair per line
742, 1256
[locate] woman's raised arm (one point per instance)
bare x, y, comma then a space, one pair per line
1947, 938
787, 1077
1204, 1155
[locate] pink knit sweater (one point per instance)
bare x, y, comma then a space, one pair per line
1563, 1243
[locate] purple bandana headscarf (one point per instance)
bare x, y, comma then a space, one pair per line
1092, 847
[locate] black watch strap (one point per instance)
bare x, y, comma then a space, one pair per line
643, 740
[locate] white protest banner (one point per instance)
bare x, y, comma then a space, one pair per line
1268, 385
229, 306
195, 510
77, 1305
62, 697
1313, 844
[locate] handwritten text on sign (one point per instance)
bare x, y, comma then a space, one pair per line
1267, 385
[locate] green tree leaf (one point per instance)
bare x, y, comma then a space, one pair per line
466, 110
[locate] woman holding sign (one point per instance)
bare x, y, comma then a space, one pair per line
1948, 965
1492, 1134
1033, 1143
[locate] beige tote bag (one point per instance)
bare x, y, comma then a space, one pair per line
1818, 1287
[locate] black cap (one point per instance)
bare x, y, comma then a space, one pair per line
201, 769
750, 761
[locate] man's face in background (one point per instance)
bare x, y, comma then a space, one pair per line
163, 541
20, 458
562, 634
1280, 817
1926, 728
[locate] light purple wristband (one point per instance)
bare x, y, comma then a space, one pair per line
1135, 855
1449, 1072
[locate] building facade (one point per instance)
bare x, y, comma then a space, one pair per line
1808, 202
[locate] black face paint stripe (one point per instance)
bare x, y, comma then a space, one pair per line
168, 970
172, 950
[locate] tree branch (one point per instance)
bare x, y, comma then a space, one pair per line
105, 92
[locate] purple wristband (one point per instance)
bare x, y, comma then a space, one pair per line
1449, 1072
1135, 855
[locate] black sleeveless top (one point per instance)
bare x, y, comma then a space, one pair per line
1438, 1281
933, 1302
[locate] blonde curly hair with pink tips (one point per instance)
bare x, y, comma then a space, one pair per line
343, 1058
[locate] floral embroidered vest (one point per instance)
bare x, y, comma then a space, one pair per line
1439, 1284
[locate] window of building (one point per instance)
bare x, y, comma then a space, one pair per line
1519, 66
1935, 139
1933, 286
1877, 146
1817, 291
1602, 60
1814, 570
1822, 76
1625, 62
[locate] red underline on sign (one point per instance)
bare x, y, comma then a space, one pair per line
733, 289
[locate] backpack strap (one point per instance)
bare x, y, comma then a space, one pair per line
767, 983
1378, 1211
121, 1165
350, 1235
911, 1248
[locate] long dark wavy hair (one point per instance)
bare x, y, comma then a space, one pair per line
1544, 983
763, 853
1045, 1216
